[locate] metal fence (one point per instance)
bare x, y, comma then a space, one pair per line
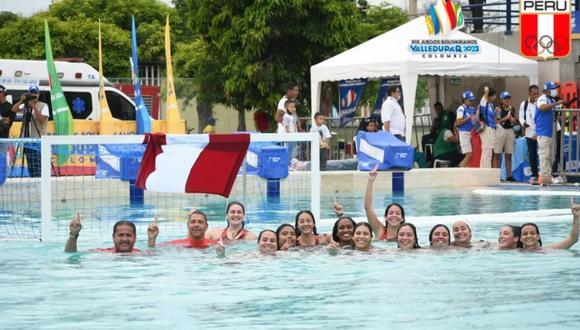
568, 143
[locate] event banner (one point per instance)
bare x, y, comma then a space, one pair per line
385, 84
350, 95
143, 119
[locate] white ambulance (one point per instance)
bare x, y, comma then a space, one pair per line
80, 83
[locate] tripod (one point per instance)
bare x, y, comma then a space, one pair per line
29, 150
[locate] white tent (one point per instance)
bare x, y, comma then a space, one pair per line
409, 51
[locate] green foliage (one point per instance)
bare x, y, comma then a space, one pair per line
422, 94
259, 46
7, 17
74, 32
380, 19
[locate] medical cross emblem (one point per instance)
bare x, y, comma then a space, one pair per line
545, 28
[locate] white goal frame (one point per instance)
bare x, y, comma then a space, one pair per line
47, 141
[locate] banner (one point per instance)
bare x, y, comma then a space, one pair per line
106, 121
172, 110
63, 122
545, 28
350, 95
143, 119
385, 84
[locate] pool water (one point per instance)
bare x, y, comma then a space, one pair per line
42, 287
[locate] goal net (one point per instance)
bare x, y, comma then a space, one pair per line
280, 175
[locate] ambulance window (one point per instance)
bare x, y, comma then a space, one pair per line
80, 104
120, 107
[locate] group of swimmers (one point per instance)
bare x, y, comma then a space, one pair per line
346, 233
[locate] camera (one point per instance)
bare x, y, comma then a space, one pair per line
29, 97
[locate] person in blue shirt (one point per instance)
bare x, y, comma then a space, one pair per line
465, 117
487, 116
544, 120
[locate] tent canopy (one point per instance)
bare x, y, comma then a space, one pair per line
390, 54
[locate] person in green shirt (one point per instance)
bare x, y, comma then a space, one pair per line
446, 145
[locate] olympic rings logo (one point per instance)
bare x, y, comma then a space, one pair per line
543, 45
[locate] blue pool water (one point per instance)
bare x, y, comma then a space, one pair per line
41, 287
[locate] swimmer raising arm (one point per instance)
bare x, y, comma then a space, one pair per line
378, 228
75, 227
394, 214
152, 233
573, 237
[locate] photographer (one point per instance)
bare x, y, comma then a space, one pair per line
34, 122
6, 114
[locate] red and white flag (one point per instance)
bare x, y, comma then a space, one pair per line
192, 163
545, 29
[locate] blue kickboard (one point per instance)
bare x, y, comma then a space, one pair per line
384, 149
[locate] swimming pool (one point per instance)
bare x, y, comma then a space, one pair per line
42, 287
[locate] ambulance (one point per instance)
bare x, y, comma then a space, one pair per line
80, 84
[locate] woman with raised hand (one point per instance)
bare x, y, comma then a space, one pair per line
530, 234
306, 230
407, 237
286, 235
394, 214
440, 237
235, 231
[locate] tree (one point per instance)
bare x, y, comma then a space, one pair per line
262, 45
74, 32
7, 17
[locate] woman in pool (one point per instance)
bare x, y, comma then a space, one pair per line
394, 214
267, 242
286, 235
440, 237
235, 230
531, 241
462, 234
509, 237
407, 237
361, 239
306, 230
343, 231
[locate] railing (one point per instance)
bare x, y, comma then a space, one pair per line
495, 14
568, 143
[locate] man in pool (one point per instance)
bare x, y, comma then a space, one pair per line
124, 237
196, 228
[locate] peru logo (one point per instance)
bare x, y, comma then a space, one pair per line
443, 17
545, 28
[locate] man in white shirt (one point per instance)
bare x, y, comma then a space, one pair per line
291, 94
319, 127
392, 115
526, 117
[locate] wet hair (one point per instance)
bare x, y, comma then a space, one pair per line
124, 223
267, 231
533, 87
279, 230
364, 224
433, 230
392, 89
520, 244
298, 233
402, 211
516, 231
416, 244
230, 204
200, 213
335, 228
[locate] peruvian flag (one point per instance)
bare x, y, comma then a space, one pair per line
192, 163
545, 31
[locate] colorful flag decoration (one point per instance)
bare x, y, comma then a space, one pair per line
443, 17
350, 95
209, 166
173, 119
106, 121
63, 121
143, 118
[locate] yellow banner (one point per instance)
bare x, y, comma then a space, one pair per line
174, 123
106, 122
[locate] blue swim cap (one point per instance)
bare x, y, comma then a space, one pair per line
33, 89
